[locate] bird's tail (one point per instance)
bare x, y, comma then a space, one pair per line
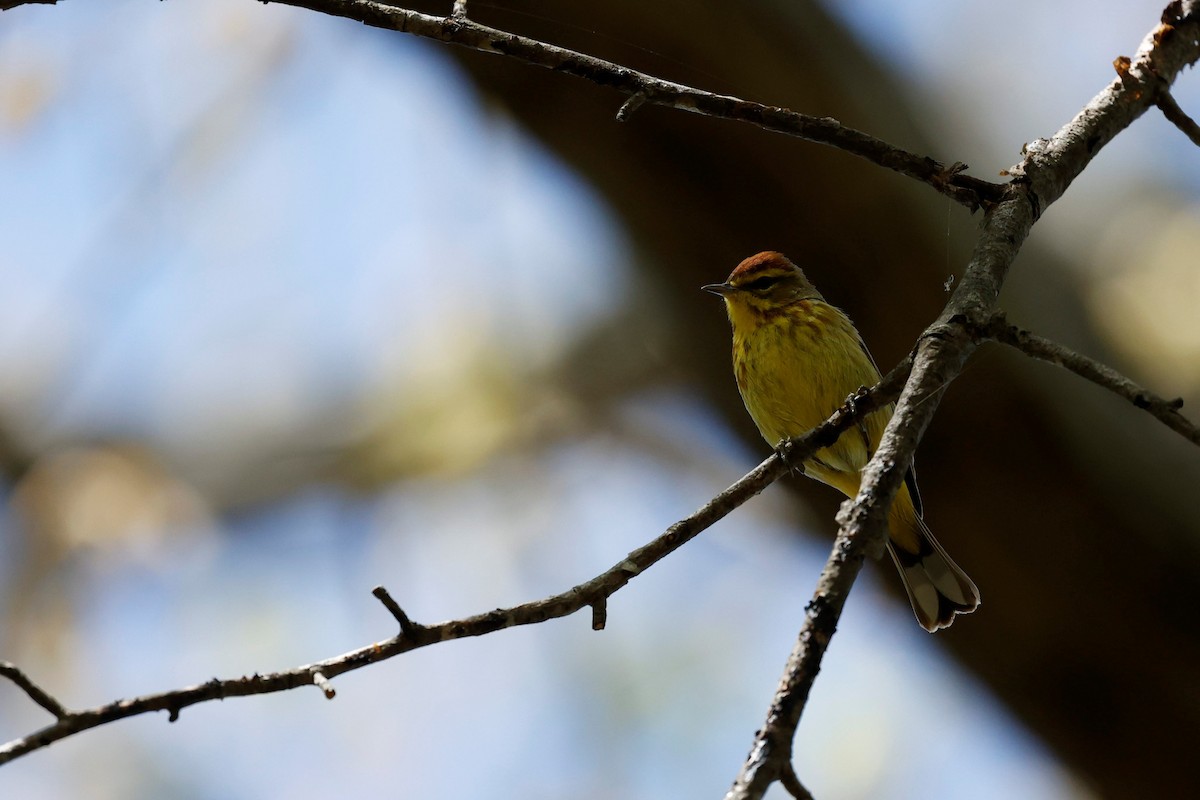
937, 587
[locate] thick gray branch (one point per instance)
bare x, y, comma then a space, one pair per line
940, 356
1044, 174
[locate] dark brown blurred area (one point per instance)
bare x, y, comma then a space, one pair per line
1074, 513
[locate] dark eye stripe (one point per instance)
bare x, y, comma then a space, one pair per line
758, 284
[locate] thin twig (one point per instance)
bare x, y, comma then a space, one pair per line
1166, 411
592, 593
407, 626
323, 683
948, 180
36, 693
793, 785
5, 5
631, 105
600, 614
1172, 111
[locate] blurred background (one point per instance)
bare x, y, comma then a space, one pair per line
290, 307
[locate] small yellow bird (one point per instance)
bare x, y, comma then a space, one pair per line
796, 360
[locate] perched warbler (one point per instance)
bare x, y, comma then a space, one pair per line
796, 359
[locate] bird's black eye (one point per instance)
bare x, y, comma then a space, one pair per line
761, 283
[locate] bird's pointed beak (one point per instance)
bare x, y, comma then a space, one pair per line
723, 289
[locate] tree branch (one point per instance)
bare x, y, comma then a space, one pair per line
1047, 170
793, 785
36, 693
1166, 411
948, 180
940, 355
593, 593
1177, 116
6, 5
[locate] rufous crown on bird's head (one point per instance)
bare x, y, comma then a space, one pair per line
765, 263
767, 275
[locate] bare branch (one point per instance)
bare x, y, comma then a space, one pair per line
631, 105
1044, 174
940, 356
600, 614
1051, 165
1165, 101
1176, 115
5, 5
1166, 411
793, 785
592, 593
36, 693
322, 683
950, 181
407, 626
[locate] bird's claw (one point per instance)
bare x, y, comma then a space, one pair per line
783, 451
853, 400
